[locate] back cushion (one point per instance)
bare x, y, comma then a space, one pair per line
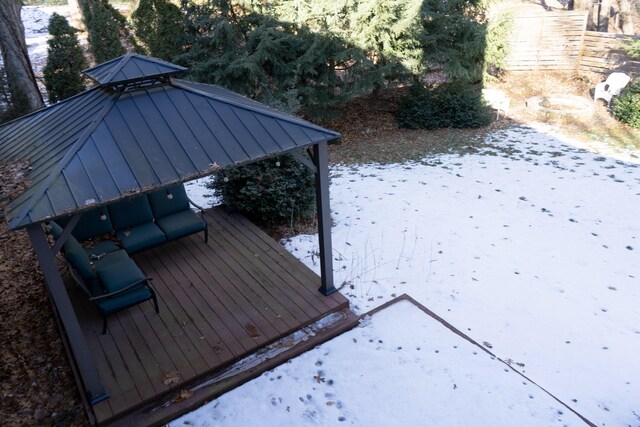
76, 255
162, 205
129, 213
55, 229
90, 224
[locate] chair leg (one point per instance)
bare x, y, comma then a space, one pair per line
104, 324
206, 234
155, 302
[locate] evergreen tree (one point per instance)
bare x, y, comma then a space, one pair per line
384, 28
452, 37
158, 24
65, 61
414, 35
271, 60
105, 26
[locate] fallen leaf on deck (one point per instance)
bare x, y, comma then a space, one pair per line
171, 378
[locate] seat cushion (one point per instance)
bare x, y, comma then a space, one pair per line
181, 224
104, 247
90, 224
162, 205
119, 275
139, 238
130, 213
55, 229
110, 259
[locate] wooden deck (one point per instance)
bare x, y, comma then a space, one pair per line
218, 303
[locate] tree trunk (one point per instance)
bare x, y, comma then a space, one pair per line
623, 11
75, 15
605, 13
25, 96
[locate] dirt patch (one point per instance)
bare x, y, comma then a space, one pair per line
370, 133
602, 126
36, 383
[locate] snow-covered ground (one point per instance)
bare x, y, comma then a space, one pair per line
531, 248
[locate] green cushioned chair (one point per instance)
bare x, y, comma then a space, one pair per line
125, 286
173, 214
133, 221
111, 279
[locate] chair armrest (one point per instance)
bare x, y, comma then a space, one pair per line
79, 280
200, 208
120, 291
201, 211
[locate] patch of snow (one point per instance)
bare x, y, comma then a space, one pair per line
199, 193
400, 368
36, 20
530, 247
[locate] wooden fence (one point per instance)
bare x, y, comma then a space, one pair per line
546, 41
603, 53
558, 41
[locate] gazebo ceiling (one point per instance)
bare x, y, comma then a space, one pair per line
109, 142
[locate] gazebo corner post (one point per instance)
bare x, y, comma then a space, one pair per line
57, 291
321, 160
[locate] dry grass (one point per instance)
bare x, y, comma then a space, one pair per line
602, 126
371, 134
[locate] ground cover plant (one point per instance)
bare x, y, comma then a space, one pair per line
36, 383
279, 190
626, 106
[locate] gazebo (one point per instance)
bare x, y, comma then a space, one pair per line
141, 130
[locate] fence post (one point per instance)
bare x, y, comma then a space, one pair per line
584, 31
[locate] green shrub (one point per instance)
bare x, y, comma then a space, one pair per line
451, 105
626, 106
273, 61
498, 32
632, 48
65, 61
158, 24
105, 25
272, 191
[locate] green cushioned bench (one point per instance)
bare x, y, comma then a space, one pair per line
105, 270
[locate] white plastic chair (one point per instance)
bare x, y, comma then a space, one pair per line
611, 87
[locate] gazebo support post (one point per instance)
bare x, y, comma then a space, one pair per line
321, 160
57, 291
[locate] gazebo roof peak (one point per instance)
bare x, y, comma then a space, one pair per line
130, 68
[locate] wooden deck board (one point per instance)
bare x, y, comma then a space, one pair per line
218, 303
256, 255
268, 246
226, 315
249, 282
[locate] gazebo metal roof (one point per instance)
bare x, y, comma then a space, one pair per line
129, 68
122, 138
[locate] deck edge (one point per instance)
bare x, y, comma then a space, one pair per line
161, 411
